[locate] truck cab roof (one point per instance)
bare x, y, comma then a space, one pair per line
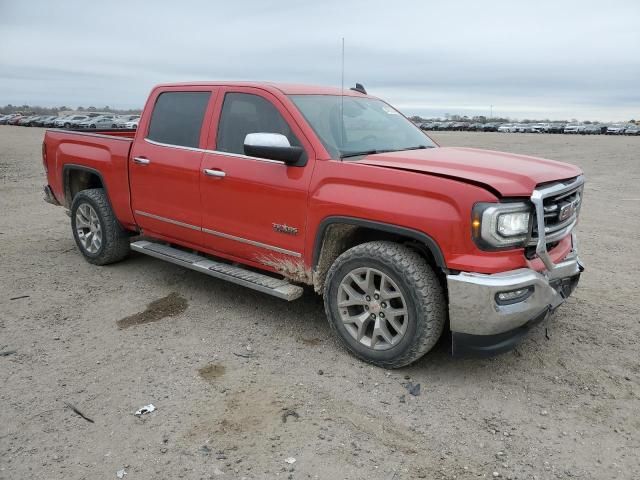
285, 88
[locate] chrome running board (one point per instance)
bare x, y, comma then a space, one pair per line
257, 281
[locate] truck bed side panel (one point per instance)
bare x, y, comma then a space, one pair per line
107, 155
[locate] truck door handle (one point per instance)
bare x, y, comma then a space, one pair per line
141, 160
214, 173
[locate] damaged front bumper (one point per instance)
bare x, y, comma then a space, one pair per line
489, 314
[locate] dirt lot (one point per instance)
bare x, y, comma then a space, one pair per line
243, 381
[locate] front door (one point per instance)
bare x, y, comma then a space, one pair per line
252, 208
164, 167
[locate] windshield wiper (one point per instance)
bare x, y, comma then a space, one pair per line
419, 147
371, 152
365, 152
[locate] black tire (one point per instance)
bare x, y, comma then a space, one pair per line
115, 240
418, 283
92, 126
67, 125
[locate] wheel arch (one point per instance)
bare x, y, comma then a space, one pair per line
336, 234
76, 178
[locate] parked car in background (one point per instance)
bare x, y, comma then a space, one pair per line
556, 128
458, 126
524, 128
120, 121
41, 121
573, 128
15, 119
26, 121
59, 122
132, 125
593, 129
491, 127
101, 121
70, 121
476, 127
50, 122
616, 129
632, 130
32, 121
508, 127
540, 127
4, 120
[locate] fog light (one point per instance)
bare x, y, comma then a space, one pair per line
514, 296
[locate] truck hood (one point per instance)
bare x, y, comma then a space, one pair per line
508, 174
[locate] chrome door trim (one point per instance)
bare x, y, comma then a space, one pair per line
216, 152
252, 242
220, 234
168, 220
141, 160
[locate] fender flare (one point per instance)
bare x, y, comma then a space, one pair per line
417, 235
67, 168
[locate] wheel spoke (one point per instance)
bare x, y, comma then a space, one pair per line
362, 327
355, 298
381, 330
395, 312
81, 222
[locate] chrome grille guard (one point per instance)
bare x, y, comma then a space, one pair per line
537, 198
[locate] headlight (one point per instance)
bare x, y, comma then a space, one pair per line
500, 225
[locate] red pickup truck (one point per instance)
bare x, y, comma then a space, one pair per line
277, 186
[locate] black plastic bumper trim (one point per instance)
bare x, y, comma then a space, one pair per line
467, 345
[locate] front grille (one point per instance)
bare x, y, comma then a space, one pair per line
560, 215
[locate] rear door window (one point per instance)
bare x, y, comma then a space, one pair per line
177, 118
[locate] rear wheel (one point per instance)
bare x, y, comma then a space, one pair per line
385, 303
96, 230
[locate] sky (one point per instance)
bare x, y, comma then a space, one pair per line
559, 59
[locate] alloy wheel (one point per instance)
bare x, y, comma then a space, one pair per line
372, 308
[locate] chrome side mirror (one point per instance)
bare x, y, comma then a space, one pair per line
273, 146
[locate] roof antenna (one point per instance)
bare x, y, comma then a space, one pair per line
342, 100
359, 88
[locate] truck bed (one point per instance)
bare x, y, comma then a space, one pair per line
103, 152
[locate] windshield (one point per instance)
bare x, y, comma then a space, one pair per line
366, 126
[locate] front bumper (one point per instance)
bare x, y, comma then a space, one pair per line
485, 319
482, 324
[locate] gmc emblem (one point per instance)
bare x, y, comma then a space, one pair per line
566, 211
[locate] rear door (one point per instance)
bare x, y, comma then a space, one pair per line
253, 208
164, 165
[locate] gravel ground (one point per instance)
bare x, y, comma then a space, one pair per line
244, 382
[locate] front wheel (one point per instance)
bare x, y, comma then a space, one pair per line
97, 232
385, 303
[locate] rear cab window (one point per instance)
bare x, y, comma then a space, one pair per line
177, 118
